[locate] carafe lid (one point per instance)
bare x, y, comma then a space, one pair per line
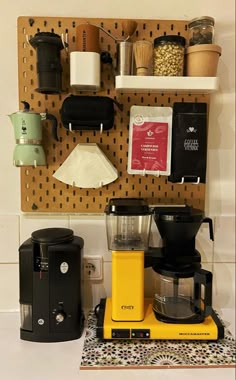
52, 236
128, 207
178, 214
184, 271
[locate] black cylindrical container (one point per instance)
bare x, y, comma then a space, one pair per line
49, 69
50, 286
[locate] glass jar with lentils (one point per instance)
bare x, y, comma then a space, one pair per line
168, 55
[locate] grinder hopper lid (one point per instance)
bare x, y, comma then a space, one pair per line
52, 236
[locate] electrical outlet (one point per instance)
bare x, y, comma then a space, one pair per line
92, 267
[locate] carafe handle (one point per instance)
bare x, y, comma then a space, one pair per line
203, 303
52, 118
209, 221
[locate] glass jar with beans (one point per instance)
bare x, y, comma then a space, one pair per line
168, 55
201, 30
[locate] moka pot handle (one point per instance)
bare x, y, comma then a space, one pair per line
203, 305
209, 221
53, 119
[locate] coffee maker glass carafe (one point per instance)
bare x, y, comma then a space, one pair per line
183, 296
173, 296
183, 290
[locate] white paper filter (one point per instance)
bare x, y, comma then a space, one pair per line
86, 167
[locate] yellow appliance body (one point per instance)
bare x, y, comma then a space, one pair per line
127, 302
151, 328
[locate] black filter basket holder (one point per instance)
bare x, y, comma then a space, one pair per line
88, 113
49, 69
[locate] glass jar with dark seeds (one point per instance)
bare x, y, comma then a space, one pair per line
201, 30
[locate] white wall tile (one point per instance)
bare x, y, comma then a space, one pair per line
9, 287
93, 291
9, 238
224, 285
31, 223
204, 244
224, 245
93, 231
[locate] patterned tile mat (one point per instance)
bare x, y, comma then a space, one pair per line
154, 354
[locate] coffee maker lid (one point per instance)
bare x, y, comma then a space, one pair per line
52, 235
178, 213
128, 207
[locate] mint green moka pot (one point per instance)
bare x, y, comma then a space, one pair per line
28, 134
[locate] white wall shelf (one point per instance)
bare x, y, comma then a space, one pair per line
133, 83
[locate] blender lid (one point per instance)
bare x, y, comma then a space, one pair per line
52, 236
178, 214
128, 206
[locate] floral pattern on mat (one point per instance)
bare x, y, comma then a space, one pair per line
156, 353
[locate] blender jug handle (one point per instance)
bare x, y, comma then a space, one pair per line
203, 277
209, 221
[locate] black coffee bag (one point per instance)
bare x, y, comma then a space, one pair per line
189, 143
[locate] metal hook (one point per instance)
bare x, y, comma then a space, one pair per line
105, 31
65, 41
198, 181
27, 39
194, 183
182, 181
70, 128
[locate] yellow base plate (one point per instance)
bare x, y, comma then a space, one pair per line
151, 328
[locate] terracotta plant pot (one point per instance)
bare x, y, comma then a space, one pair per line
202, 60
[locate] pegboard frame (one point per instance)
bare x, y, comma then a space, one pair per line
40, 192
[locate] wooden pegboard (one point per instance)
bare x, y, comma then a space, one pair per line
40, 192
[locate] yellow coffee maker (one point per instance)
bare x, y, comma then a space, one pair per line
181, 305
